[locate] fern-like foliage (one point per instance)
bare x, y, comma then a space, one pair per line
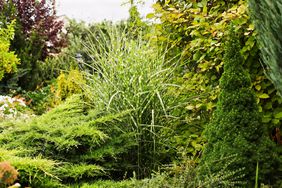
33, 171
74, 136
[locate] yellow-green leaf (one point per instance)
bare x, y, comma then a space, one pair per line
278, 115
190, 107
258, 87
150, 15
263, 96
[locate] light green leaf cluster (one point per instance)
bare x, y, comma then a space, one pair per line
8, 59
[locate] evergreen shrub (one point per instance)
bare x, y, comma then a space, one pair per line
32, 171
72, 135
236, 127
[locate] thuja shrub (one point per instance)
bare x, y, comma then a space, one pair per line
68, 84
236, 125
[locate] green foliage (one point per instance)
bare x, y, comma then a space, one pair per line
236, 126
196, 29
34, 172
267, 17
37, 35
42, 99
110, 184
73, 136
135, 24
69, 84
8, 59
139, 108
185, 175
130, 74
75, 56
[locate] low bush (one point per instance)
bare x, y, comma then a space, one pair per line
42, 99
72, 135
69, 84
109, 184
34, 172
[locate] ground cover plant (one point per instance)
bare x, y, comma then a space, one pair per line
69, 137
139, 104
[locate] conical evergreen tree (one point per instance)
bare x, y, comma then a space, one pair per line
236, 129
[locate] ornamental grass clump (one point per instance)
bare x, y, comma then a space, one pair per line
236, 127
131, 74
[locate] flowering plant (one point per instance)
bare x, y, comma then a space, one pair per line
8, 174
11, 107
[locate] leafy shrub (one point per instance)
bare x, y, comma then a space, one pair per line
69, 84
236, 125
42, 99
38, 34
196, 29
8, 59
